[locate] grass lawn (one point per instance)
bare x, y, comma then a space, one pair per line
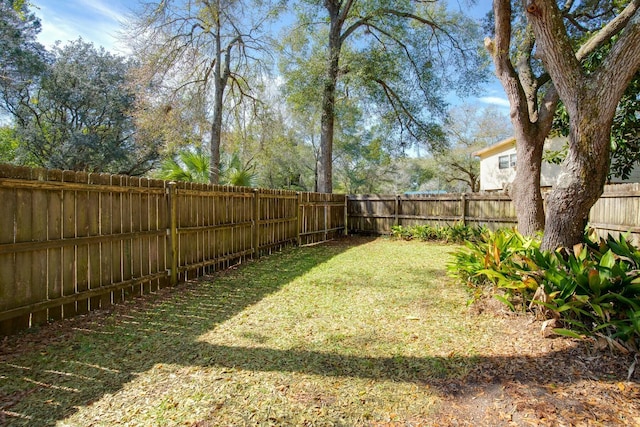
355, 332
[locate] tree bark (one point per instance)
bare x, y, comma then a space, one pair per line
584, 173
531, 120
216, 121
325, 161
221, 73
325, 164
591, 101
525, 189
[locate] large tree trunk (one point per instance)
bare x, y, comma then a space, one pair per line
584, 173
215, 140
531, 118
591, 101
325, 163
216, 121
525, 189
221, 73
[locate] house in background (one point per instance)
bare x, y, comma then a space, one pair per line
498, 165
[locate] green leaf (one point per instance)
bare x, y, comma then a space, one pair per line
598, 310
567, 333
608, 260
633, 289
634, 303
594, 281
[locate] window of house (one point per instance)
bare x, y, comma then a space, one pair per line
507, 161
503, 162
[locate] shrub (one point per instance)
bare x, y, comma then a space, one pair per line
497, 259
592, 288
401, 232
457, 233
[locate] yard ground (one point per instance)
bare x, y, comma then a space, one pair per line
353, 332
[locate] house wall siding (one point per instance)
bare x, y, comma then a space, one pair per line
492, 178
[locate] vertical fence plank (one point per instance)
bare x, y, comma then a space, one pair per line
126, 258
54, 255
136, 240
82, 251
39, 215
68, 252
23, 259
255, 221
107, 250
93, 222
7, 260
145, 241
117, 274
463, 209
173, 233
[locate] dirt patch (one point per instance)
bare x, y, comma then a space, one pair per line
532, 378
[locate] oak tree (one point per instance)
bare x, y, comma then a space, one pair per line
76, 115
22, 58
591, 100
393, 52
533, 98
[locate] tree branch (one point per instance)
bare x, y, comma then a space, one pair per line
499, 49
623, 61
608, 31
557, 53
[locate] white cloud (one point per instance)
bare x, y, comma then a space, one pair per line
105, 10
94, 21
494, 100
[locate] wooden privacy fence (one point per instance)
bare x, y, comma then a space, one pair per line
377, 214
71, 242
617, 211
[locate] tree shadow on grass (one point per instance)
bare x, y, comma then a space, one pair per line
46, 374
49, 380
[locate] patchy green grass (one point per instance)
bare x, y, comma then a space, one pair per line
350, 333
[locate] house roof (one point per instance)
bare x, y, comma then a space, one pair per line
496, 148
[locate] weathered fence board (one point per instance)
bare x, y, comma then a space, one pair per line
71, 242
617, 211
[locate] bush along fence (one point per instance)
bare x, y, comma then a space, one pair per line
617, 212
71, 242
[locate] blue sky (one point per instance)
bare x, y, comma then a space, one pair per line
98, 21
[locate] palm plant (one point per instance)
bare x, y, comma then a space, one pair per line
187, 165
234, 172
193, 166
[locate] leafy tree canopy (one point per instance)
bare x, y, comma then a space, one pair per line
77, 115
22, 58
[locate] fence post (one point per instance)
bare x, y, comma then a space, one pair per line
463, 208
326, 216
173, 233
255, 217
396, 211
346, 215
300, 215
